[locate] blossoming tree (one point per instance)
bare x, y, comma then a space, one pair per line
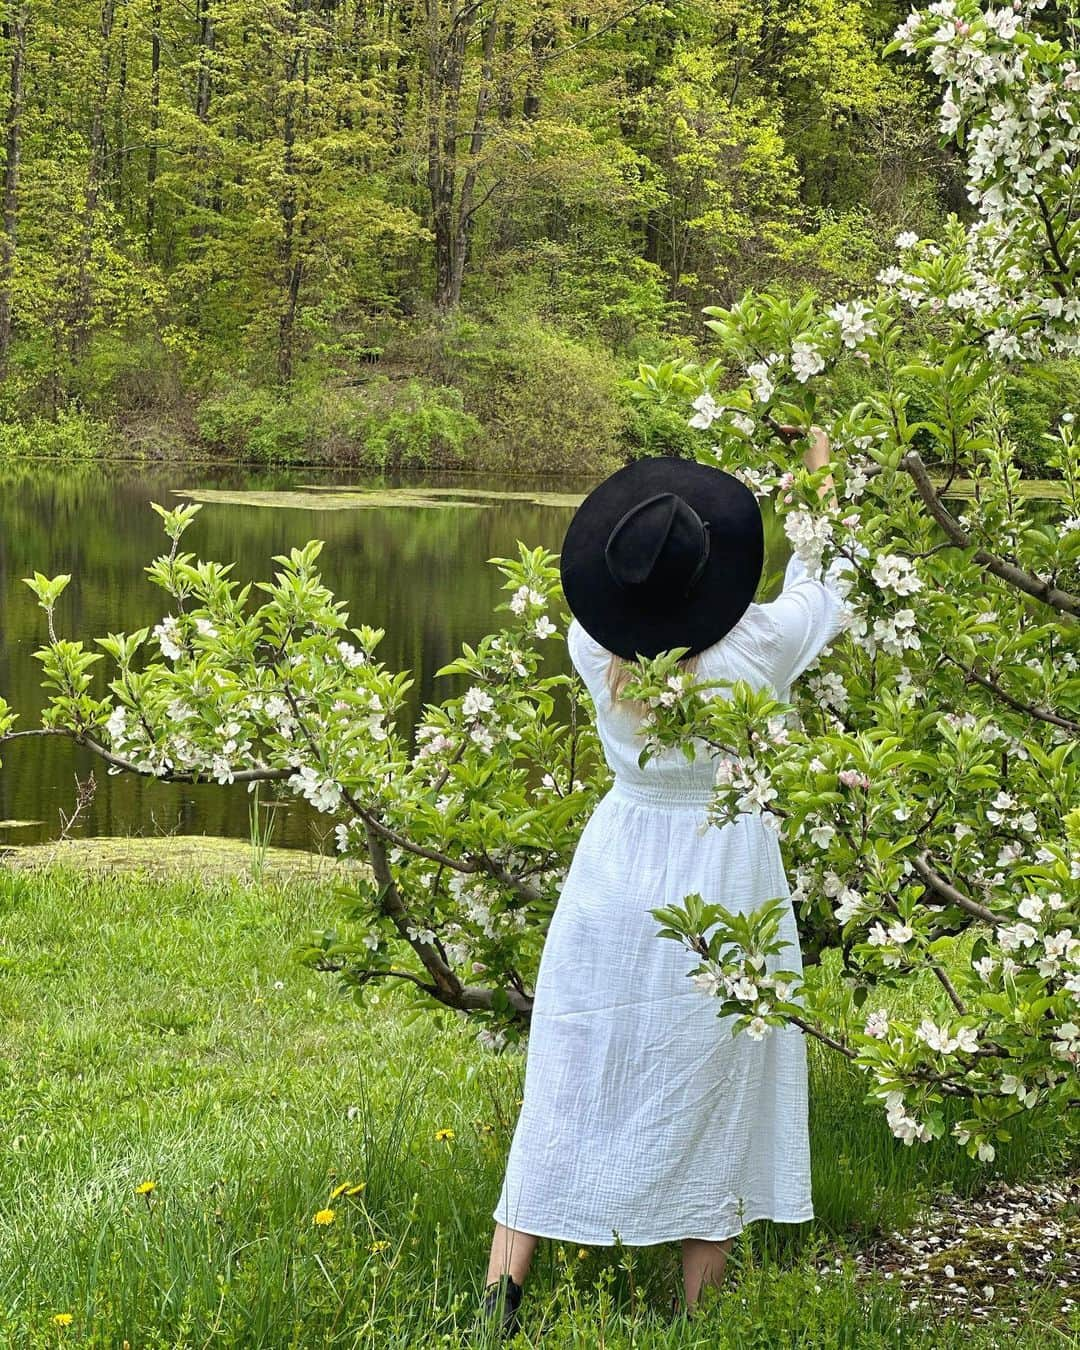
923, 783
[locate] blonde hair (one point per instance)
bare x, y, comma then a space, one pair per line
621, 671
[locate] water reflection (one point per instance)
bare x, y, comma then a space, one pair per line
421, 574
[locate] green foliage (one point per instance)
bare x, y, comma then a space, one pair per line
72, 435
414, 425
547, 401
1036, 397
265, 423
246, 221
657, 430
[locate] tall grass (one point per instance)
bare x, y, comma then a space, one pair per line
159, 1031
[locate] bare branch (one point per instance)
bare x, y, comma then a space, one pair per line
166, 776
950, 989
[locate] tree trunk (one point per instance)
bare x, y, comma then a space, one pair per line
205, 21
452, 208
155, 122
292, 265
15, 33
118, 114
465, 211
80, 306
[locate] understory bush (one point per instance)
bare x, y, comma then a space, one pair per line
71, 435
549, 403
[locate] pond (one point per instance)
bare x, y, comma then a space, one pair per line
418, 570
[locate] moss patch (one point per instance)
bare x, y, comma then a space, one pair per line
539, 498
999, 1255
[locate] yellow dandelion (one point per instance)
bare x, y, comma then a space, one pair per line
380, 1245
324, 1217
340, 1190
355, 1190
520, 1101
145, 1187
63, 1319
444, 1134
582, 1253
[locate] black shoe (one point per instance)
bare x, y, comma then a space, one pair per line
501, 1300
676, 1313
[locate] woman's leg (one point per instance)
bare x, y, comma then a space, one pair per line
511, 1250
703, 1263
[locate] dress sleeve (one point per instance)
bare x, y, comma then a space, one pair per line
805, 617
589, 658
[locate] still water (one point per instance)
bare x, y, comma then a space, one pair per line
420, 573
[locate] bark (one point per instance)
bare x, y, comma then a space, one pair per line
118, 113
291, 260
155, 120
15, 33
80, 305
1041, 588
451, 185
203, 90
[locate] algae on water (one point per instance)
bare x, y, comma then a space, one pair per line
312, 497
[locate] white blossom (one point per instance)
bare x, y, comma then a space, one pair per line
476, 701
806, 360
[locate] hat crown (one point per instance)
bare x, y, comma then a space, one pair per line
658, 549
665, 552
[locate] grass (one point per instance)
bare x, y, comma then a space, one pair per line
157, 1029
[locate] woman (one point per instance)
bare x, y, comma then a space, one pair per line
643, 1119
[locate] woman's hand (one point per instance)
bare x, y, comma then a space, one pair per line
817, 454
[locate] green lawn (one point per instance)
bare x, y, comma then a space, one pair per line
158, 1030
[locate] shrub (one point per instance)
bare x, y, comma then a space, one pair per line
1036, 398
415, 425
276, 425
72, 435
547, 402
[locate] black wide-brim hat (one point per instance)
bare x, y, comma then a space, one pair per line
664, 553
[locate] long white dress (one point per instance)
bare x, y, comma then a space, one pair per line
644, 1120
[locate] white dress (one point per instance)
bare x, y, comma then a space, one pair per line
644, 1120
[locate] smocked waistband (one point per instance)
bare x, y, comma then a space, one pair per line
670, 797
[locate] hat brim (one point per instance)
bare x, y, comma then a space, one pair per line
722, 594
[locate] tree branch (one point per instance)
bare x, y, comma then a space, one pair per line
950, 989
1025, 581
1033, 710
166, 776
948, 892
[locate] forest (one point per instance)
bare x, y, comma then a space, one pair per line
444, 233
